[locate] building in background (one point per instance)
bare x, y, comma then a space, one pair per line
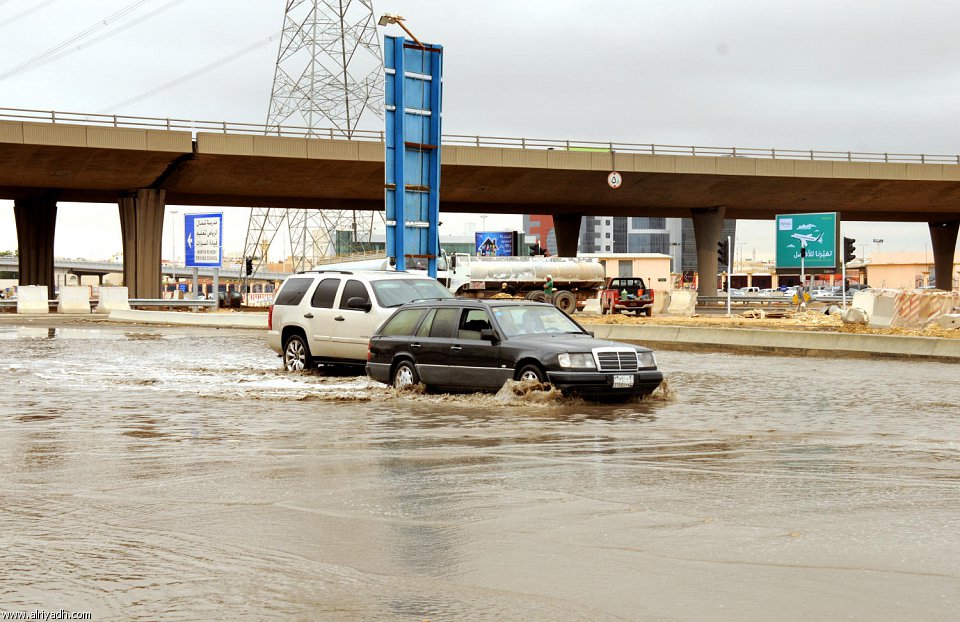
631, 234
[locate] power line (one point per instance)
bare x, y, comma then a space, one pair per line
136, 4
193, 74
21, 14
44, 58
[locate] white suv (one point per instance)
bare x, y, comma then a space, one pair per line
328, 316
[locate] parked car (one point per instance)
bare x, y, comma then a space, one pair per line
475, 345
328, 316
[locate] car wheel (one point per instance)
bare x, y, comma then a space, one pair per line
531, 371
603, 308
648, 311
296, 353
536, 296
405, 375
565, 301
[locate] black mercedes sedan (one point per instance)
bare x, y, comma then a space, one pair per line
476, 345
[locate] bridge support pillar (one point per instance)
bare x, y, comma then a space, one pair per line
36, 225
707, 224
141, 224
944, 238
567, 229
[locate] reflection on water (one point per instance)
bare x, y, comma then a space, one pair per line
179, 474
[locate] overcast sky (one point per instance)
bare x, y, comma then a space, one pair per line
861, 75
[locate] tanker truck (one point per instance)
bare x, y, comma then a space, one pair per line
575, 280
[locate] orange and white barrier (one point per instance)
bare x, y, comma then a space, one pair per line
916, 310
258, 300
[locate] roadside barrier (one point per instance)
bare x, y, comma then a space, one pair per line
661, 301
113, 299
917, 309
949, 320
879, 305
682, 302
73, 299
258, 300
32, 299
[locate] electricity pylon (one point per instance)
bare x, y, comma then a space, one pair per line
329, 75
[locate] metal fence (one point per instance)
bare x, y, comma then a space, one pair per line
229, 127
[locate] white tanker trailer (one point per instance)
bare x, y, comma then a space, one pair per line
575, 280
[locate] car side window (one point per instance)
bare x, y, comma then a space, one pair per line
472, 321
353, 289
424, 330
403, 323
444, 322
292, 291
325, 294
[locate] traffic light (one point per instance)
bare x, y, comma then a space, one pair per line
849, 250
249, 266
723, 252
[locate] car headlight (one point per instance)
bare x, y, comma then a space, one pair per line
584, 359
646, 359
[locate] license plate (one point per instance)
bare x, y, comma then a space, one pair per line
622, 381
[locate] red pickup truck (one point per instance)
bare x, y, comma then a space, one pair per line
626, 294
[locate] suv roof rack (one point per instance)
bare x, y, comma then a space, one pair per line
319, 270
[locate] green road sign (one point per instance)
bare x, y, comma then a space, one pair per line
817, 233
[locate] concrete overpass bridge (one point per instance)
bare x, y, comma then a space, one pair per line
144, 163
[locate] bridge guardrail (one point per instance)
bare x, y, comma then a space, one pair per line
232, 127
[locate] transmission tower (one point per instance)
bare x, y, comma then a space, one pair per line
329, 75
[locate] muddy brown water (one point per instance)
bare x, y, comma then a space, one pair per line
178, 474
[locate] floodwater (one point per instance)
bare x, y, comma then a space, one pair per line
178, 474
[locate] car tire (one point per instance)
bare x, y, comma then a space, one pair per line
531, 371
536, 296
603, 308
296, 354
405, 375
648, 311
565, 301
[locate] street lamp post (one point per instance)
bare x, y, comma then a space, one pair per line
173, 244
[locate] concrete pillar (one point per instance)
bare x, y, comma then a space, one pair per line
707, 224
141, 223
567, 229
36, 225
944, 238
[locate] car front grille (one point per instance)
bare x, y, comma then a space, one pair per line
616, 359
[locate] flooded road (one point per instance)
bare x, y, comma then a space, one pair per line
178, 474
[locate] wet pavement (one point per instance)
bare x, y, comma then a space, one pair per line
177, 473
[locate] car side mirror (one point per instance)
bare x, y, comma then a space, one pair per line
487, 334
359, 303
590, 332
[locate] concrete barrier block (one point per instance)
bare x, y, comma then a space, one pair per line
682, 302
113, 299
853, 315
661, 301
93, 280
32, 299
73, 299
879, 305
949, 320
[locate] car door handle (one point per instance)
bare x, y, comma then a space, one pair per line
339, 318
414, 345
456, 348
309, 316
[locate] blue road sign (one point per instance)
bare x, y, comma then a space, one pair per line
413, 101
203, 240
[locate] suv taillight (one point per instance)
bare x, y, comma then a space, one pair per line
270, 318
369, 351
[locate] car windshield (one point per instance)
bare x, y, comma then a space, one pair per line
533, 320
395, 292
